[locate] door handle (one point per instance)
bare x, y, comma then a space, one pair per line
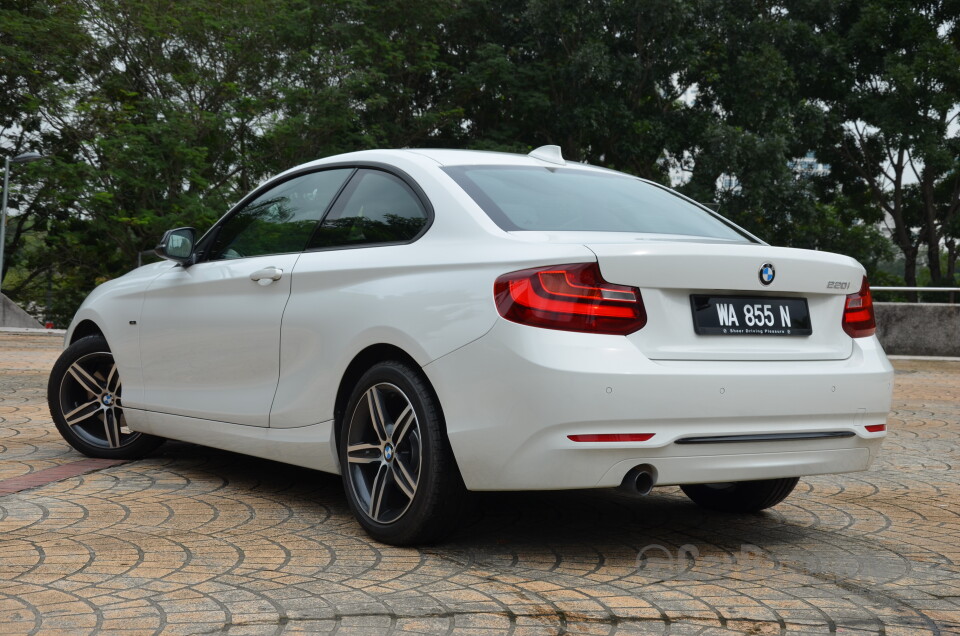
266, 275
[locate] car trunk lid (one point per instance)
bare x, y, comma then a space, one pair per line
669, 273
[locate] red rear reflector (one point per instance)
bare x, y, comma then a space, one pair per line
570, 298
858, 317
612, 437
876, 428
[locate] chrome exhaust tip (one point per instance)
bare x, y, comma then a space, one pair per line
640, 480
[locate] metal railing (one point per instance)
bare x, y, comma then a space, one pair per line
951, 291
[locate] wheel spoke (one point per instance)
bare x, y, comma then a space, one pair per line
113, 380
84, 379
377, 488
82, 412
404, 479
377, 420
404, 421
361, 453
111, 428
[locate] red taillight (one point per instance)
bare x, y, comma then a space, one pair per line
611, 437
571, 298
858, 318
875, 428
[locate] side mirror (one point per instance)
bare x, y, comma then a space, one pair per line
177, 245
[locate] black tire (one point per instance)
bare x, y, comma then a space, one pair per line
84, 396
400, 477
741, 496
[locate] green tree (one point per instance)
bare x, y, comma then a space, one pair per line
601, 79
360, 74
156, 124
761, 74
163, 113
891, 96
750, 120
39, 45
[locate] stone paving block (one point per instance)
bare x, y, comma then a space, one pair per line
193, 540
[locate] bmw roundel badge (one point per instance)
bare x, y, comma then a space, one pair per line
767, 273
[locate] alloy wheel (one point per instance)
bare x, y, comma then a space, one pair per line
384, 453
90, 402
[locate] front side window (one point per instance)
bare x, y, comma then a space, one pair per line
280, 220
520, 198
375, 207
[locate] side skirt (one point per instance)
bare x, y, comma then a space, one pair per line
311, 446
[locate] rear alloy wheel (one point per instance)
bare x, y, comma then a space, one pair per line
399, 474
84, 395
741, 496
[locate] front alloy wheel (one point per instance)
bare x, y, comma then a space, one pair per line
84, 395
398, 471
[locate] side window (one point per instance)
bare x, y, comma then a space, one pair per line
281, 219
375, 207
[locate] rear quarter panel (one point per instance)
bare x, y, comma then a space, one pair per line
428, 299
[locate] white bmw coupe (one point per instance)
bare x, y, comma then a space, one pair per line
428, 321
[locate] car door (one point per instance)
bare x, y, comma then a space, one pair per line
210, 332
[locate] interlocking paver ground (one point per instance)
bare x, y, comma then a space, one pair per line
194, 540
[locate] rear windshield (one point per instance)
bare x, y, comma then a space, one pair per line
565, 200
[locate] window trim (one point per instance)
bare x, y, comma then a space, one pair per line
350, 187
210, 236
203, 245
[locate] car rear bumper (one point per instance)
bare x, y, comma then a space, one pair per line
512, 398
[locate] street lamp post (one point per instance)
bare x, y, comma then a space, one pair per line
26, 157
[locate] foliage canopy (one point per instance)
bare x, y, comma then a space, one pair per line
162, 113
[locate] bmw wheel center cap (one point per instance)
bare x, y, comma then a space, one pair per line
767, 273
388, 452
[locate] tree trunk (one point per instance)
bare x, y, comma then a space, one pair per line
931, 231
951, 272
910, 269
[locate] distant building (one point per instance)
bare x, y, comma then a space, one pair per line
728, 183
808, 166
803, 167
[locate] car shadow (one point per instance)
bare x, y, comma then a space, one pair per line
664, 518
496, 527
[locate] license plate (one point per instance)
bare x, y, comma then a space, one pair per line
750, 316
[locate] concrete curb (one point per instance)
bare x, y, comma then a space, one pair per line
35, 331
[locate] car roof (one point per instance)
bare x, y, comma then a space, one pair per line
439, 158
449, 157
